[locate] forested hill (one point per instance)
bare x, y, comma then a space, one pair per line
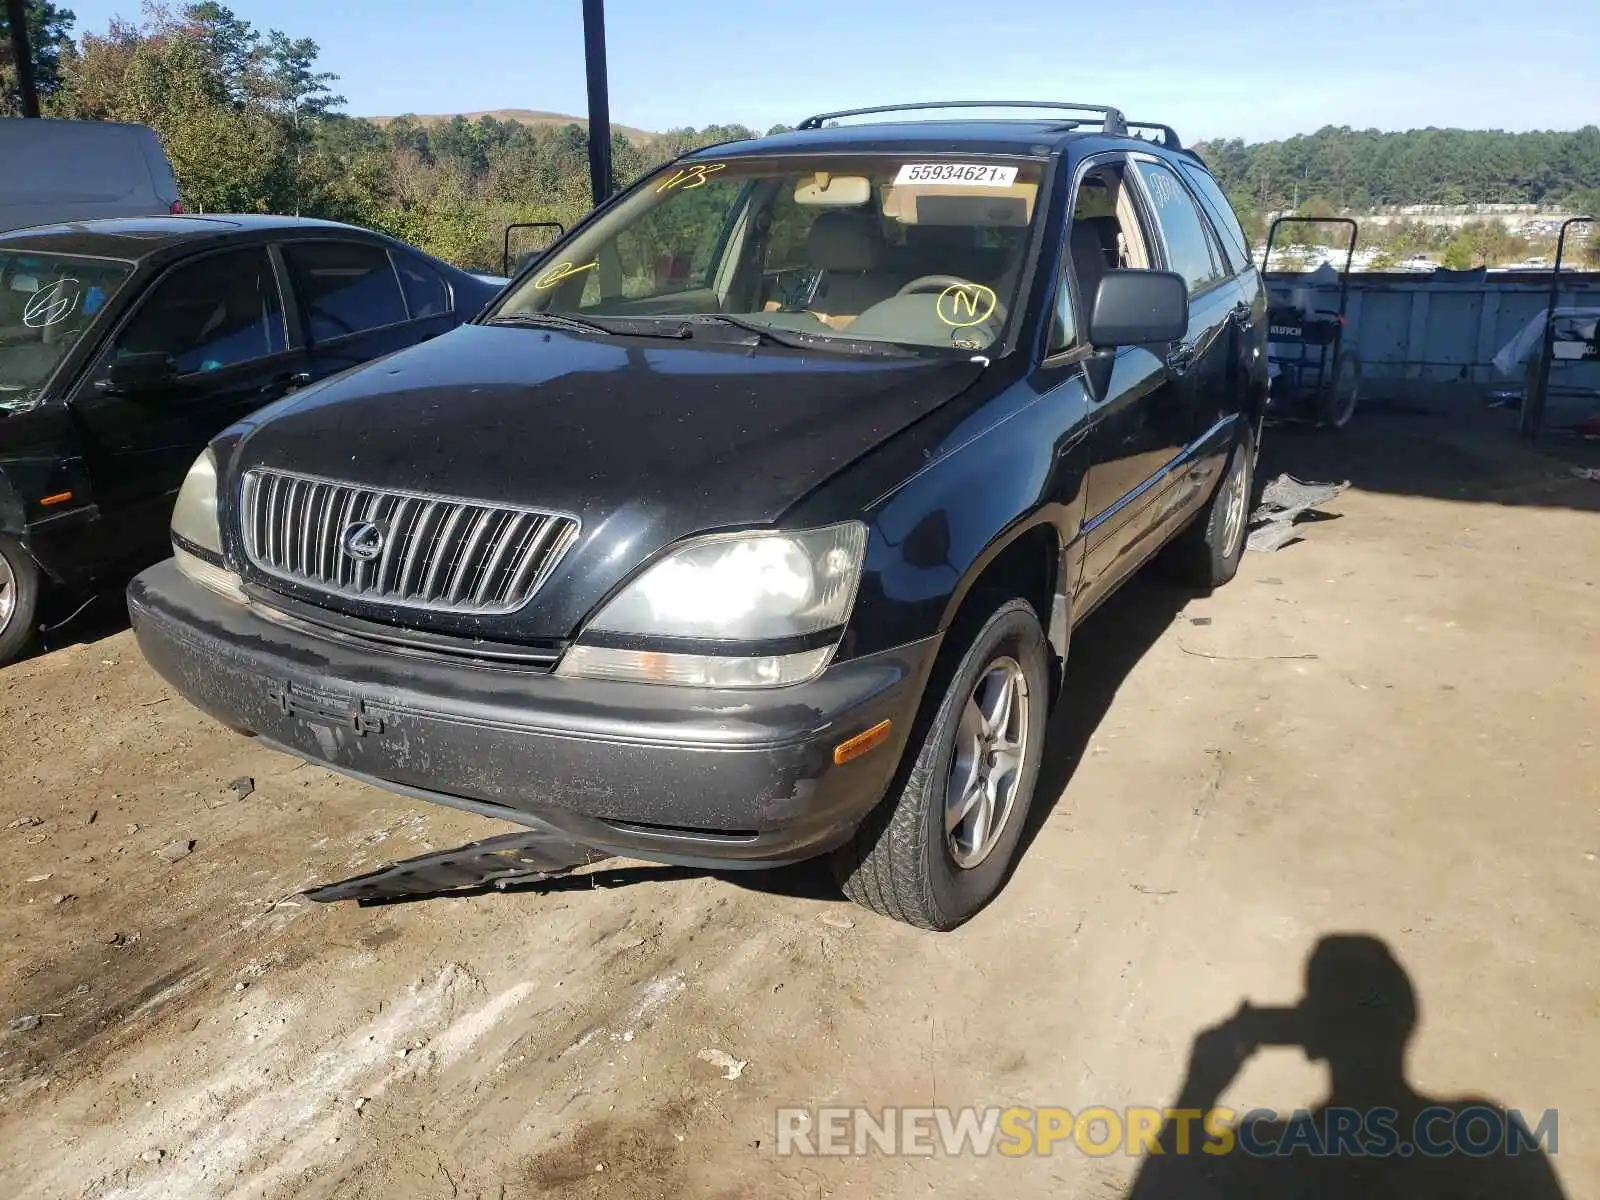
1363, 168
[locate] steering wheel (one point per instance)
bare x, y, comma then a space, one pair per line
936, 283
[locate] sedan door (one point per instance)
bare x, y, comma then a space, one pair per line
220, 318
358, 300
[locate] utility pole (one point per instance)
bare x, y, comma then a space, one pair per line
22, 55
594, 57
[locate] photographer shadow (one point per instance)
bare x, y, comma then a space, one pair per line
1374, 1137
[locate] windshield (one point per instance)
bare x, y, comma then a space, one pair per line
46, 302
843, 249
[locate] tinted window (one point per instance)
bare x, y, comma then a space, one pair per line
221, 310
426, 294
345, 287
1188, 248
1221, 213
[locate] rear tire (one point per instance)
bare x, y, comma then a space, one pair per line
19, 599
1207, 553
928, 855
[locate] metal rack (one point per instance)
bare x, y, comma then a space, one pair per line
1533, 402
1112, 120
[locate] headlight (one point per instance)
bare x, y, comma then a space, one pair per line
194, 516
734, 590
196, 537
744, 587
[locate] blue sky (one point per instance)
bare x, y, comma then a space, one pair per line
1245, 68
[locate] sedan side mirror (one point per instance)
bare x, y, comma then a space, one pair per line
1139, 308
140, 374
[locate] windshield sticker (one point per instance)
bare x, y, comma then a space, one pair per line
562, 272
957, 174
53, 303
965, 304
686, 179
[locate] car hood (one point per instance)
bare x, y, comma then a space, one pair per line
646, 441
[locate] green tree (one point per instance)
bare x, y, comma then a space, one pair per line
49, 40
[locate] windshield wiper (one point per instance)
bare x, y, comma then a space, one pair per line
611, 326
799, 340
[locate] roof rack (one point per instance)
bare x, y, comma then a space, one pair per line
1114, 122
1169, 136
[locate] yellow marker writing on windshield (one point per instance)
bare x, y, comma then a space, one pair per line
561, 272
690, 177
963, 304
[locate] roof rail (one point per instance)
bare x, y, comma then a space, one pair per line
1169, 136
1114, 122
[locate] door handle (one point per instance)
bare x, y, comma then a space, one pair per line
286, 383
1181, 356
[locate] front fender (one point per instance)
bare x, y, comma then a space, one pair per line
932, 539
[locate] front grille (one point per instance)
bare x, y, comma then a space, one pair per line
432, 552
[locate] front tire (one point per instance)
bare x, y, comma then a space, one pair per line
19, 599
942, 843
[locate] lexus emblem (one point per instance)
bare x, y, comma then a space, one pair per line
363, 541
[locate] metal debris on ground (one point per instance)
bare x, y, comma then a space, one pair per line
1283, 502
25, 1024
24, 822
174, 851
242, 786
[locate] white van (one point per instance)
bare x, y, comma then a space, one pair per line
54, 171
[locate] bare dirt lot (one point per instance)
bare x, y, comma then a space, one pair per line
1388, 729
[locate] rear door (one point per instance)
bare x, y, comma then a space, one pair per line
357, 300
221, 318
1206, 359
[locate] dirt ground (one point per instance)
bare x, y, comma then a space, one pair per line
1388, 728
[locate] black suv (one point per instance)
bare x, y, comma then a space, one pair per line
751, 523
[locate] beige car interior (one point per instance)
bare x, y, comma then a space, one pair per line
1105, 233
948, 231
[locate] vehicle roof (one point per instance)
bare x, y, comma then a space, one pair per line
1033, 138
133, 239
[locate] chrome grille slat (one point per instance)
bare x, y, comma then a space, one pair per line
439, 553
504, 540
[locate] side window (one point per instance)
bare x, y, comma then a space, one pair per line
426, 294
1189, 249
1105, 235
344, 287
1222, 215
213, 313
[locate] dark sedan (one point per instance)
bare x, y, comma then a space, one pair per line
127, 344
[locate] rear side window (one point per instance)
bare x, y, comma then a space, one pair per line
217, 312
1221, 213
1189, 249
345, 287
426, 294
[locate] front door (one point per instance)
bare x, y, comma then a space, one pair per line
220, 319
1141, 395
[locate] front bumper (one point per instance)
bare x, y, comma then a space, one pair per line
723, 778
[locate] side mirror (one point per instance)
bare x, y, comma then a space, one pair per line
141, 374
1139, 308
